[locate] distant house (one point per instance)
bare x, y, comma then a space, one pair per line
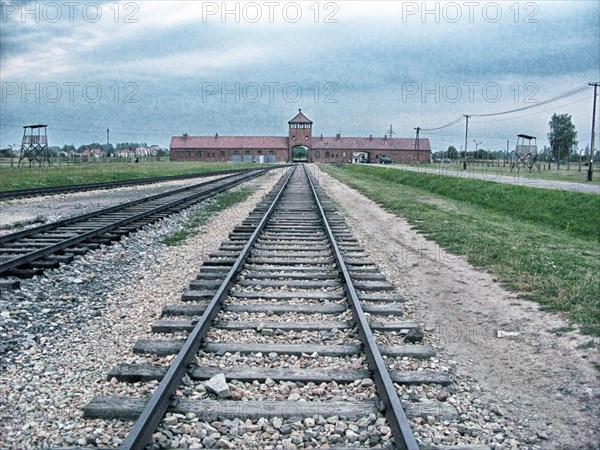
146, 151
92, 153
131, 152
126, 152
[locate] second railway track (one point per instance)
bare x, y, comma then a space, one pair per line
296, 301
36, 192
30, 252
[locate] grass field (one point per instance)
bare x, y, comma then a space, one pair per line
64, 175
544, 243
572, 175
199, 218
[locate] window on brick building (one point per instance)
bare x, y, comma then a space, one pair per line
317, 154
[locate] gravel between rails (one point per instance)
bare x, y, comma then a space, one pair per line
62, 332
288, 317
331, 337
315, 432
21, 214
275, 360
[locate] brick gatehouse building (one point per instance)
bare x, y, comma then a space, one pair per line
298, 145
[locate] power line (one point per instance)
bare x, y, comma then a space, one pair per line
562, 96
454, 122
545, 102
546, 110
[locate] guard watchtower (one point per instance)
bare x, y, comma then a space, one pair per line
300, 137
34, 146
526, 155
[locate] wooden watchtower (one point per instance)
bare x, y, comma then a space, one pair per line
526, 155
34, 146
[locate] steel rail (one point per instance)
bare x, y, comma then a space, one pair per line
37, 254
20, 193
394, 412
153, 412
51, 226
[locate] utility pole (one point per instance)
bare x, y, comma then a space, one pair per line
506, 159
416, 142
108, 141
590, 169
466, 137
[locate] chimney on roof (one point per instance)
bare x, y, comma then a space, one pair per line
385, 137
370, 137
321, 136
185, 135
216, 135
337, 136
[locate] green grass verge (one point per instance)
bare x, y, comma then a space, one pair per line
543, 243
97, 172
199, 218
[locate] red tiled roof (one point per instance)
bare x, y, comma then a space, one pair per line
361, 143
225, 142
94, 151
300, 118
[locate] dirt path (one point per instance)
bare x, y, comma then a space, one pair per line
539, 377
521, 180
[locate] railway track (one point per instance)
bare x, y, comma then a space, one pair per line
30, 252
37, 192
289, 310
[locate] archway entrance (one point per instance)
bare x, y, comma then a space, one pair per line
300, 153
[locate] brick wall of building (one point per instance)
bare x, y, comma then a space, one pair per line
224, 155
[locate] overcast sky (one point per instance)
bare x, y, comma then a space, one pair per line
149, 70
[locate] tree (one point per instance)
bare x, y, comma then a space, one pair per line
562, 136
452, 152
